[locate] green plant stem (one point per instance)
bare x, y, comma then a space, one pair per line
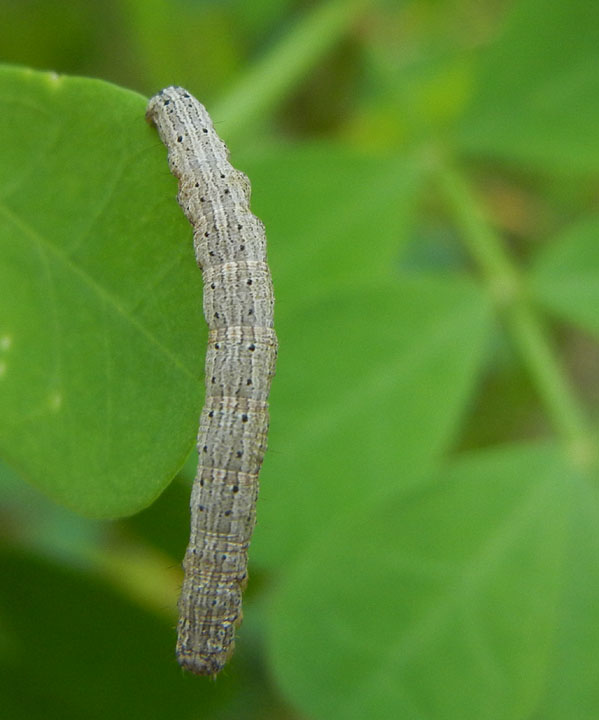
524, 325
278, 71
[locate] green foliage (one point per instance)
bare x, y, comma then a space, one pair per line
399, 568
392, 404
453, 610
542, 72
99, 655
100, 303
566, 275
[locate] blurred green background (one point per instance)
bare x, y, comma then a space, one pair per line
428, 525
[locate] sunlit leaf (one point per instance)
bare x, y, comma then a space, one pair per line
471, 598
100, 322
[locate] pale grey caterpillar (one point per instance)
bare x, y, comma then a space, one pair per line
230, 247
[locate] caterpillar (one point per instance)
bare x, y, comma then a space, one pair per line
230, 248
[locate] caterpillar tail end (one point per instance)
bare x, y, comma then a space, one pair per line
201, 659
210, 665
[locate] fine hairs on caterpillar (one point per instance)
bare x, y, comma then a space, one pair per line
230, 247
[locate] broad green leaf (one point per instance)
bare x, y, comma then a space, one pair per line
565, 277
538, 89
459, 600
371, 385
101, 327
334, 216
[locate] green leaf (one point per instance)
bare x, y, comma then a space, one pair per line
572, 680
459, 600
565, 277
334, 216
370, 389
538, 90
101, 330
337, 221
